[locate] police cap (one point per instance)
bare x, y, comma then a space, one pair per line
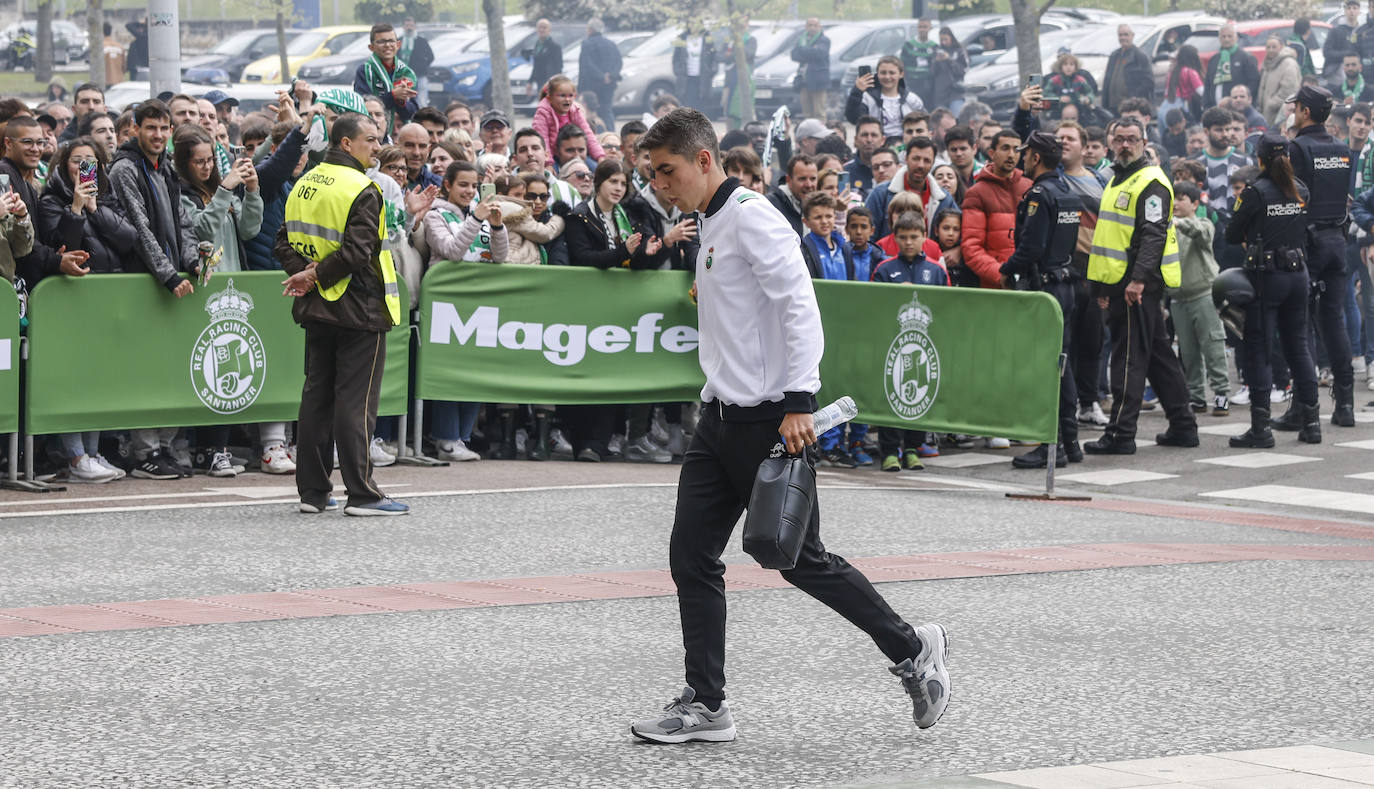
1043, 142
1313, 97
1271, 145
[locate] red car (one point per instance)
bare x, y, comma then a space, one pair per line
1253, 34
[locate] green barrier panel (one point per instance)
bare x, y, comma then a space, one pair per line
946, 359
395, 397
118, 351
9, 360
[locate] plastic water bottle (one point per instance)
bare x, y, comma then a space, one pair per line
837, 413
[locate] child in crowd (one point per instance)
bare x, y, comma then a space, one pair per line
911, 266
828, 256
949, 228
902, 203
858, 226
1201, 338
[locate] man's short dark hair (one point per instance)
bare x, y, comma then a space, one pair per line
1135, 123
909, 220
860, 212
567, 133
885, 149
743, 159
664, 100
1004, 134
525, 132
348, 126
921, 142
919, 116
1189, 190
280, 131
817, 199
257, 129
1136, 104
1190, 169
1094, 134
1216, 116
377, 29
455, 105
1319, 114
429, 114
151, 109
1173, 116
85, 86
1361, 108
1301, 25
83, 126
835, 146
957, 133
800, 158
733, 139
632, 127
1355, 55
868, 120
683, 132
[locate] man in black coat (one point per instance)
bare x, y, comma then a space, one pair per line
1232, 65
416, 53
546, 56
137, 56
1129, 72
598, 68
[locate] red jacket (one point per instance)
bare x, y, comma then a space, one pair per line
989, 232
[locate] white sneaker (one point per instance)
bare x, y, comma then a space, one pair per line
88, 470
119, 472
222, 465
380, 457
457, 452
1280, 395
276, 461
677, 441
1092, 415
616, 445
997, 443
659, 432
392, 448
521, 439
560, 443
1241, 397
180, 452
291, 452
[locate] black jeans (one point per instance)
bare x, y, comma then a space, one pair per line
1140, 348
1280, 303
343, 381
1086, 355
716, 481
1326, 261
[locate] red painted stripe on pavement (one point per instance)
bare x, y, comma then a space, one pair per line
622, 584
1258, 519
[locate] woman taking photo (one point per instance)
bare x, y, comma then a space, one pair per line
1271, 219
81, 213
951, 63
884, 96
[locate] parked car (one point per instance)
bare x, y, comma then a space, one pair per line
1251, 36
466, 75
252, 97
525, 93
339, 69
316, 43
70, 42
225, 62
851, 43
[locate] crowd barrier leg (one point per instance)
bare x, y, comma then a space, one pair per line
417, 457
12, 480
1049, 494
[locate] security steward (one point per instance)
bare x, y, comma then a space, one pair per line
1047, 222
1134, 256
1271, 217
333, 245
1322, 163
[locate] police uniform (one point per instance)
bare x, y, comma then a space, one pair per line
1322, 163
1047, 223
334, 219
1274, 228
1135, 241
761, 345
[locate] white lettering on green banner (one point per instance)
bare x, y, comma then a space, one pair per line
561, 343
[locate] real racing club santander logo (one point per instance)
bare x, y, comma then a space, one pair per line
911, 374
228, 364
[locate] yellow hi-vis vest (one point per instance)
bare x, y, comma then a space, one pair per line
1116, 224
316, 213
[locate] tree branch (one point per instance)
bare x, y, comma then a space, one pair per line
1041, 11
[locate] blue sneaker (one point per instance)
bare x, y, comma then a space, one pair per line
382, 507
861, 458
314, 509
1149, 401
928, 451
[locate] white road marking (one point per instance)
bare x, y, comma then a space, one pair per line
1362, 503
965, 460
1366, 475
1367, 444
1225, 429
1117, 476
1257, 460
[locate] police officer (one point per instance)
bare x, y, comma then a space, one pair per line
1134, 256
1271, 217
1047, 222
1322, 163
333, 244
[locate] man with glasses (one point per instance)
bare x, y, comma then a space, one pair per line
529, 158
387, 77
1134, 257
884, 164
23, 151
1129, 72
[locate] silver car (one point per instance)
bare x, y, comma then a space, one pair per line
525, 94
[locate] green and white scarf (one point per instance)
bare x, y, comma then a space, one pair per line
479, 251
1355, 91
380, 81
1223, 57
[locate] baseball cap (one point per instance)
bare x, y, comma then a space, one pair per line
1312, 96
1271, 145
491, 116
218, 97
1042, 142
810, 128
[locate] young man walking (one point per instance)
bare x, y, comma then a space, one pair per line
756, 302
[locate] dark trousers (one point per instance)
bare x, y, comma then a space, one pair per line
589, 427
1086, 355
1280, 304
1141, 348
716, 481
343, 380
1326, 261
1066, 293
892, 439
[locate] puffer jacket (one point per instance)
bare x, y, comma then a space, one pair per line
105, 233
18, 237
548, 123
1278, 81
990, 223
526, 234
